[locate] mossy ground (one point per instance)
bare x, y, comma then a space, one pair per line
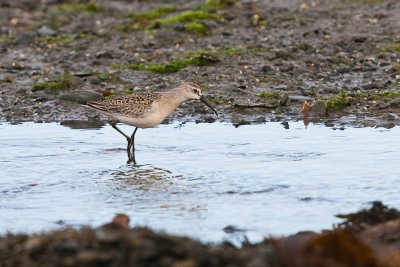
91, 7
5, 39
339, 101
218, 4
197, 57
392, 47
344, 99
155, 13
58, 39
160, 17
59, 83
188, 16
196, 27
169, 67
268, 94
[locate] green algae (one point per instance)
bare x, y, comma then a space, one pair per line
172, 66
5, 39
196, 27
156, 13
188, 16
90, 7
57, 39
60, 83
197, 57
389, 94
392, 47
217, 4
268, 94
339, 101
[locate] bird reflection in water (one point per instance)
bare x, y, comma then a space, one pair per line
143, 178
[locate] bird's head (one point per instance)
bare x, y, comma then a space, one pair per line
193, 91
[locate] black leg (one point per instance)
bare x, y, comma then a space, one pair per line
113, 124
132, 143
131, 155
133, 139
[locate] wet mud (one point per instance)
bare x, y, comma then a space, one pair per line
333, 61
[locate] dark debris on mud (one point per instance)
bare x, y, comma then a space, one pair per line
257, 60
116, 244
363, 219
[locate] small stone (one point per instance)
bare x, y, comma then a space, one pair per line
83, 74
9, 78
286, 68
42, 95
25, 38
371, 86
359, 39
46, 31
318, 106
396, 68
22, 91
17, 66
81, 96
121, 219
227, 34
104, 54
343, 69
267, 69
284, 99
75, 82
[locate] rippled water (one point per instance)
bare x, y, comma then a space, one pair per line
195, 179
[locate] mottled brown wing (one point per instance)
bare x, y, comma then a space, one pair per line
131, 105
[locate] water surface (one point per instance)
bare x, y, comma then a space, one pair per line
195, 179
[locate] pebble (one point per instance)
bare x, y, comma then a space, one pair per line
9, 78
42, 96
25, 38
371, 86
284, 99
267, 69
318, 106
46, 31
104, 54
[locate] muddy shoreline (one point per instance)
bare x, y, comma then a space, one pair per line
258, 61
369, 237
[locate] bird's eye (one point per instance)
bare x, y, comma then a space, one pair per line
195, 91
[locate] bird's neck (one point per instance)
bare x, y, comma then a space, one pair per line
176, 96
171, 100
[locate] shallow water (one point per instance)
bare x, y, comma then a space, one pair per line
195, 179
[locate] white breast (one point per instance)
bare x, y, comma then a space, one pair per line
148, 121
156, 114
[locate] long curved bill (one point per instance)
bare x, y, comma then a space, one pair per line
205, 101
